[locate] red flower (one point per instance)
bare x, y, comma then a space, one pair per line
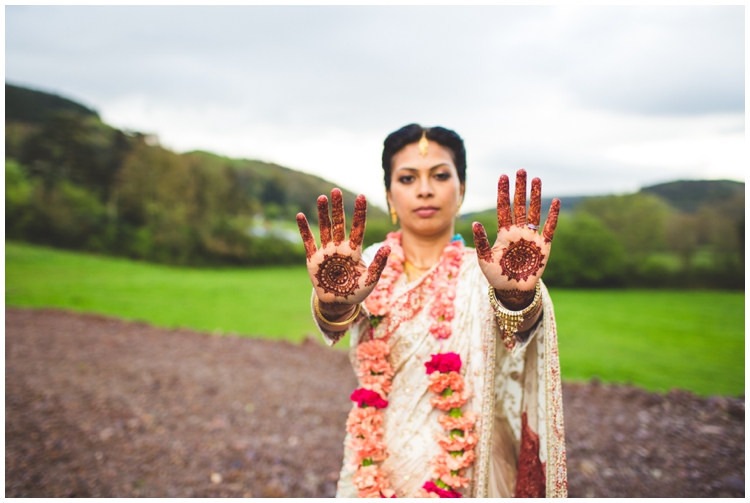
367, 397
444, 362
430, 487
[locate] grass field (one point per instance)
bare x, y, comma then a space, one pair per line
655, 339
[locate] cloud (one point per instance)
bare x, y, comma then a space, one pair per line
600, 93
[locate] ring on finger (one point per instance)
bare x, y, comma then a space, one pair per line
532, 226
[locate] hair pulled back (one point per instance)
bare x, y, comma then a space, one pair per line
412, 134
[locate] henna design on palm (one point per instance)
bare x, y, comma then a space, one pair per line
338, 274
520, 253
521, 259
336, 269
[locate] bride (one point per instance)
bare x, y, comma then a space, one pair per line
455, 348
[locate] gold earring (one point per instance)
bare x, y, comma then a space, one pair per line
458, 212
394, 217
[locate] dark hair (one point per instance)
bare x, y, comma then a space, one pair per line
412, 134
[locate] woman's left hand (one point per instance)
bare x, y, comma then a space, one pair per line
517, 260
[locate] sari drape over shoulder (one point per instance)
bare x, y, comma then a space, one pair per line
514, 389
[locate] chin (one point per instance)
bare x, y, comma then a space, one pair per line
429, 226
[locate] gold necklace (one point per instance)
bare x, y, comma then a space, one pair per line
413, 272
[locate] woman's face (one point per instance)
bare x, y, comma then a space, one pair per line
425, 191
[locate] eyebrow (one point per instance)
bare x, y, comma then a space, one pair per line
415, 169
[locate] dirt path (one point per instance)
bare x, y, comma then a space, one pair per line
101, 407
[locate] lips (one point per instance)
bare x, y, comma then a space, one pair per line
426, 211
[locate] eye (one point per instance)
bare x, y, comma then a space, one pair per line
442, 176
406, 179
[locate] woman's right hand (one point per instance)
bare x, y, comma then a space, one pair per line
339, 275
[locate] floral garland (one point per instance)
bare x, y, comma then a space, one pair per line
365, 422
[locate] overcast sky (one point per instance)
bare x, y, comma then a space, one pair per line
592, 99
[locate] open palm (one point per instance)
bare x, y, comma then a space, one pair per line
339, 275
518, 258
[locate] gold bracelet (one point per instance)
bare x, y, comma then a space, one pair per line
508, 320
335, 323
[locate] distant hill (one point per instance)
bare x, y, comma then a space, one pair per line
35, 107
286, 187
280, 190
684, 195
567, 203
688, 195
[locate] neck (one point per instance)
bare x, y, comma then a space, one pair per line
425, 251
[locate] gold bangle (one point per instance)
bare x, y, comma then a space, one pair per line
335, 323
508, 320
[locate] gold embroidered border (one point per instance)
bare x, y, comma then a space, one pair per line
482, 466
557, 473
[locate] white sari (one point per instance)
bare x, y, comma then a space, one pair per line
505, 385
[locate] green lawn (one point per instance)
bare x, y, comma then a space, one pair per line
655, 339
272, 302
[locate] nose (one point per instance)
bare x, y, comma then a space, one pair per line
425, 188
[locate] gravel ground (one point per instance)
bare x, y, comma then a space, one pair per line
100, 407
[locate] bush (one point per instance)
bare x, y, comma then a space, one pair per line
584, 254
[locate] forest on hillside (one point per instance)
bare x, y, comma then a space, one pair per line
74, 182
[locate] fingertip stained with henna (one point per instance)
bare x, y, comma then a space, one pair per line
504, 219
337, 213
551, 224
482, 245
307, 237
377, 266
535, 205
358, 222
519, 201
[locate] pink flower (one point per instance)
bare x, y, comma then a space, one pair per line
424, 493
365, 426
445, 475
373, 350
457, 443
357, 415
366, 448
453, 463
367, 367
443, 493
380, 384
367, 397
441, 330
370, 479
446, 403
439, 382
444, 362
464, 422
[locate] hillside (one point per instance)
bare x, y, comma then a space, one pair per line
285, 187
35, 107
285, 190
73, 181
689, 195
